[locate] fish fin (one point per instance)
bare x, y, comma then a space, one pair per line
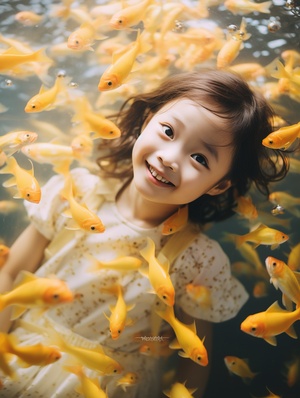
175, 345
129, 322
151, 291
167, 393
274, 246
149, 250
130, 307
271, 340
183, 354
106, 316
24, 277
112, 307
10, 182
287, 302
43, 89
67, 213
291, 332
164, 262
275, 307
192, 327
17, 312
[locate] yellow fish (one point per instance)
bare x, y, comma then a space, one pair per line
93, 358
293, 260
230, 50
199, 293
27, 185
100, 126
123, 61
5, 356
186, 338
83, 218
12, 58
13, 141
285, 279
246, 208
34, 355
89, 388
28, 18
118, 318
179, 390
176, 221
270, 323
34, 292
130, 15
4, 253
246, 6
46, 98
239, 367
282, 138
83, 38
129, 379
262, 235
123, 263
158, 274
287, 201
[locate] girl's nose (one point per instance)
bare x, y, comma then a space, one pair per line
167, 162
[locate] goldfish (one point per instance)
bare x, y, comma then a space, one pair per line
129, 379
263, 235
158, 274
93, 358
176, 221
130, 15
294, 165
60, 156
89, 388
270, 323
122, 64
259, 289
249, 70
28, 18
46, 99
5, 345
239, 367
292, 371
83, 37
282, 138
179, 390
231, 48
246, 208
13, 141
249, 253
99, 125
82, 145
4, 253
11, 59
186, 338
82, 217
123, 263
246, 6
118, 318
34, 355
283, 278
34, 292
287, 201
293, 260
199, 293
27, 185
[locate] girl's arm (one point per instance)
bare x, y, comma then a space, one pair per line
196, 376
25, 254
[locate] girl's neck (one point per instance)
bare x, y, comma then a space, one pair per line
140, 211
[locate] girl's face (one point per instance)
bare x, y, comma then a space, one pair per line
183, 152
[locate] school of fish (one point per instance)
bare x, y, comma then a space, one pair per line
123, 48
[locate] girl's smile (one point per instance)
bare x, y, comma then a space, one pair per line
183, 152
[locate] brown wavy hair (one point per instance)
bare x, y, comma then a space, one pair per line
227, 95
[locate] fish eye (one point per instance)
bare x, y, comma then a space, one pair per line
164, 297
253, 329
28, 195
33, 106
115, 370
111, 132
271, 142
93, 228
55, 296
120, 21
109, 83
274, 264
199, 358
119, 331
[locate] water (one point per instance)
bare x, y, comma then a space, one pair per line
271, 34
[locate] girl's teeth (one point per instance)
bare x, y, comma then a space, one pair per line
157, 176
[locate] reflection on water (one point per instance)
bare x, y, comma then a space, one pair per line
270, 35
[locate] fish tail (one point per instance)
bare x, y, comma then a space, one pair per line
76, 369
148, 251
265, 7
114, 289
67, 190
40, 56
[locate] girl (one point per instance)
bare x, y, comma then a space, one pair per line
195, 140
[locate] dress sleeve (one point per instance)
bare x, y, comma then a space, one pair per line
204, 264
47, 214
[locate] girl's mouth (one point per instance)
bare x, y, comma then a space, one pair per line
157, 176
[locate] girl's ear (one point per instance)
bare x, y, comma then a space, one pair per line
219, 188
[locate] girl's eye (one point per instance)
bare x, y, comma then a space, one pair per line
200, 159
168, 131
